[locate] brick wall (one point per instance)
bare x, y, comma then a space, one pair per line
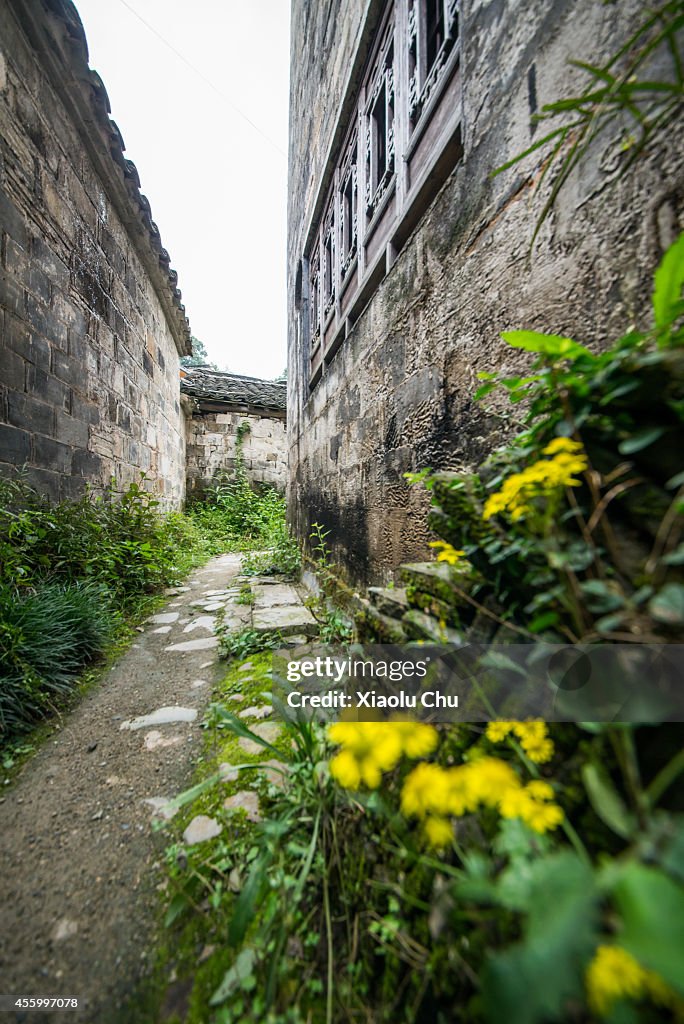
398, 394
212, 443
90, 327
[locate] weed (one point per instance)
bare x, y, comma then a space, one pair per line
247, 641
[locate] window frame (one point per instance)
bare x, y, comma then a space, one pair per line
422, 146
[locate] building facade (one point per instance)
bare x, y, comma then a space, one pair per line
91, 321
407, 259
231, 417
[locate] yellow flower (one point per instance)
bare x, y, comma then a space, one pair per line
539, 789
613, 974
416, 738
533, 738
369, 749
438, 831
542, 478
497, 731
542, 817
562, 444
430, 791
488, 779
425, 791
446, 552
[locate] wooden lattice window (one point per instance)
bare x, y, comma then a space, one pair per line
432, 32
379, 118
348, 206
402, 140
329, 261
315, 298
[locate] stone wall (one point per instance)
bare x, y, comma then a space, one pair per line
212, 439
398, 394
91, 322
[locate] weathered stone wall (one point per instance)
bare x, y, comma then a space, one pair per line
90, 328
212, 439
398, 395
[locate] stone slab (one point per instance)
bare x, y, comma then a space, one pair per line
163, 716
275, 595
203, 644
287, 620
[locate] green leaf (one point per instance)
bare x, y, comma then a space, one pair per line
675, 481
668, 605
642, 439
668, 283
178, 904
652, 909
551, 345
246, 903
606, 801
675, 557
238, 976
601, 597
531, 982
543, 621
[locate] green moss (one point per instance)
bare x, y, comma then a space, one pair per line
199, 895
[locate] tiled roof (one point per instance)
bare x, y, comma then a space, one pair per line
56, 32
217, 386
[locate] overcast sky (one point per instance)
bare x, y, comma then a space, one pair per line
217, 187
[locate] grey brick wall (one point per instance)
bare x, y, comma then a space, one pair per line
398, 394
212, 442
89, 382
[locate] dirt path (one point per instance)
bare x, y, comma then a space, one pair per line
77, 848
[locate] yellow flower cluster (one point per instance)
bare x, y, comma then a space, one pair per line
371, 748
566, 461
432, 794
446, 552
614, 974
533, 738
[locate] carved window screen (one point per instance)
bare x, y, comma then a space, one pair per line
432, 31
329, 261
348, 207
379, 122
402, 141
315, 299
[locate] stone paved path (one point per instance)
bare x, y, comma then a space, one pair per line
77, 847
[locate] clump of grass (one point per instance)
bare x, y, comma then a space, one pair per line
47, 635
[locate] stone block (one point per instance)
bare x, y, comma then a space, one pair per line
13, 220
44, 321
38, 284
67, 368
11, 293
29, 346
48, 261
70, 431
30, 413
12, 370
286, 620
51, 454
15, 445
45, 481
48, 388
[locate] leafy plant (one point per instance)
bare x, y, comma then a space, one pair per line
619, 93
47, 636
244, 642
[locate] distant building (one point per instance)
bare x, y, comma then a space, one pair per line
91, 321
227, 414
406, 259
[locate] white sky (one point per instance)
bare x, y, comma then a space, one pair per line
217, 188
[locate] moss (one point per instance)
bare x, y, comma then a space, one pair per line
193, 874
